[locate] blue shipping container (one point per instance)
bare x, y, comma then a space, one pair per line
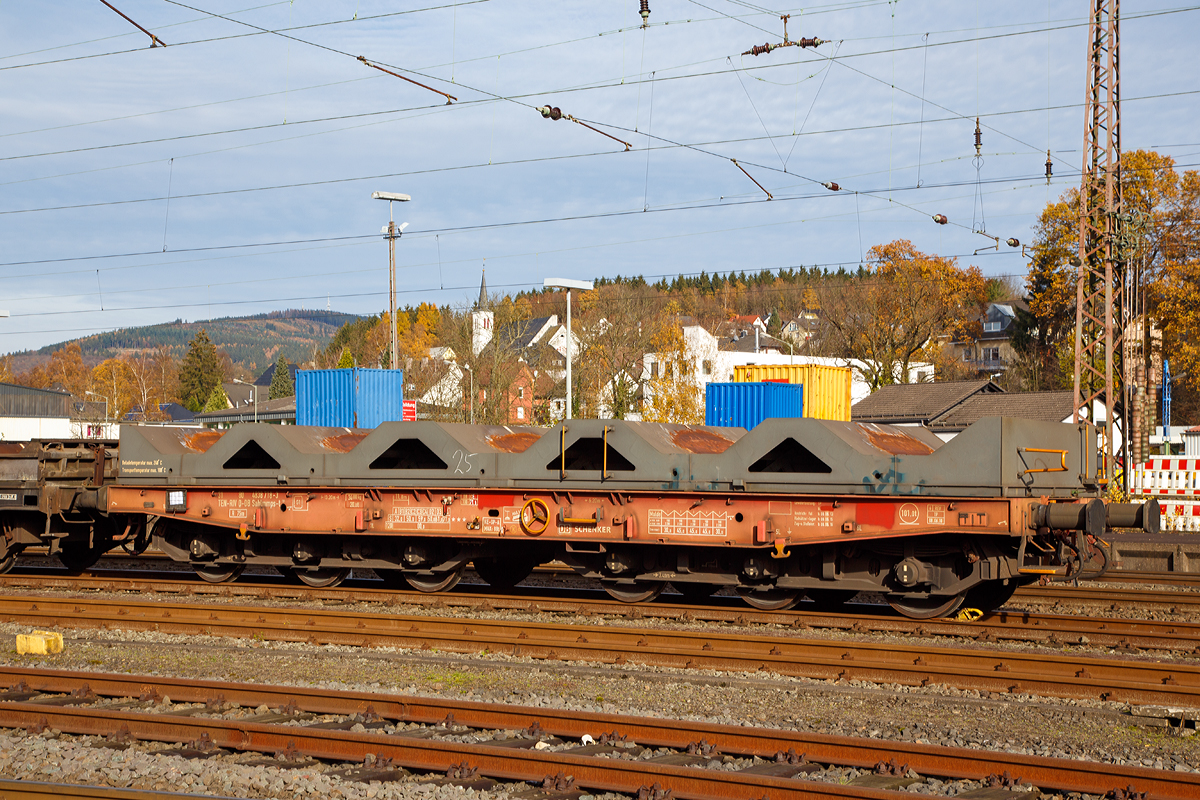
349, 398
745, 405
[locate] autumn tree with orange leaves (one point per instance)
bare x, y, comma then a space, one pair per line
900, 310
1163, 256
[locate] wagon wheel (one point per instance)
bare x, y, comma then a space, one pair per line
641, 592
219, 573
78, 558
770, 599
323, 577
289, 574
925, 607
504, 573
990, 595
438, 582
6, 563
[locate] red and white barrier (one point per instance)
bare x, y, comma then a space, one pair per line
1175, 481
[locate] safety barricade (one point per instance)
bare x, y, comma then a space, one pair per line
1175, 481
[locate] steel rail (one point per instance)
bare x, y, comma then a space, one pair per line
1055, 674
1185, 579
1189, 601
1014, 626
1057, 592
39, 790
1067, 775
514, 764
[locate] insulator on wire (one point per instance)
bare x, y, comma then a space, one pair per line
645, 12
831, 186
1049, 167
760, 49
940, 219
555, 113
978, 136
1012, 241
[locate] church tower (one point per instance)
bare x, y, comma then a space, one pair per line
481, 319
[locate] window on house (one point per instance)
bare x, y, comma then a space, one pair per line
653, 369
991, 354
520, 412
707, 367
967, 354
991, 327
521, 392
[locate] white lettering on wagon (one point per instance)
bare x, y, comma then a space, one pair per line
811, 515
138, 467
687, 523
416, 518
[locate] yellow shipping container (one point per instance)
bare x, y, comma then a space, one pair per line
826, 389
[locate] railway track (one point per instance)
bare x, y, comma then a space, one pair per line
1181, 600
48, 569
1048, 673
410, 732
1011, 626
38, 790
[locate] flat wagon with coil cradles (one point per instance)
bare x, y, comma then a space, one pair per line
793, 508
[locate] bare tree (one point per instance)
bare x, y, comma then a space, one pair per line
617, 324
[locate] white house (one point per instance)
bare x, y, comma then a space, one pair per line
714, 364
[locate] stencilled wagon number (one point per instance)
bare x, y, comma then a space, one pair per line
462, 462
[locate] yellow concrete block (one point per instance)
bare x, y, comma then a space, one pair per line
39, 643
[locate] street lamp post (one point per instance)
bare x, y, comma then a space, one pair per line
392, 235
254, 394
470, 371
568, 284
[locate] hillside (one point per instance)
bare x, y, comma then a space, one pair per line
252, 342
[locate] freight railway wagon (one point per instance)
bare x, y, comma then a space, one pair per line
793, 508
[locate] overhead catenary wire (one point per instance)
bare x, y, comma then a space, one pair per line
1024, 181
359, 241
769, 138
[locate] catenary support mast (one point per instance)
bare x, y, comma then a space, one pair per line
1100, 294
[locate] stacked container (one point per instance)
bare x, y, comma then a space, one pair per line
349, 398
826, 388
745, 405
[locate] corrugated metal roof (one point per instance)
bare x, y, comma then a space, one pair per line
25, 401
283, 408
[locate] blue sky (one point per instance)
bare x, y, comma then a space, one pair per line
270, 145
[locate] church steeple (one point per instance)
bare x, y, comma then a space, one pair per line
482, 304
481, 320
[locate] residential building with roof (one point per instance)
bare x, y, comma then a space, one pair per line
713, 359
950, 407
992, 351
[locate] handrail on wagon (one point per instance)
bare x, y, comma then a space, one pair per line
1062, 453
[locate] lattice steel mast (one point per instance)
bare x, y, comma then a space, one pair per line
1100, 292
